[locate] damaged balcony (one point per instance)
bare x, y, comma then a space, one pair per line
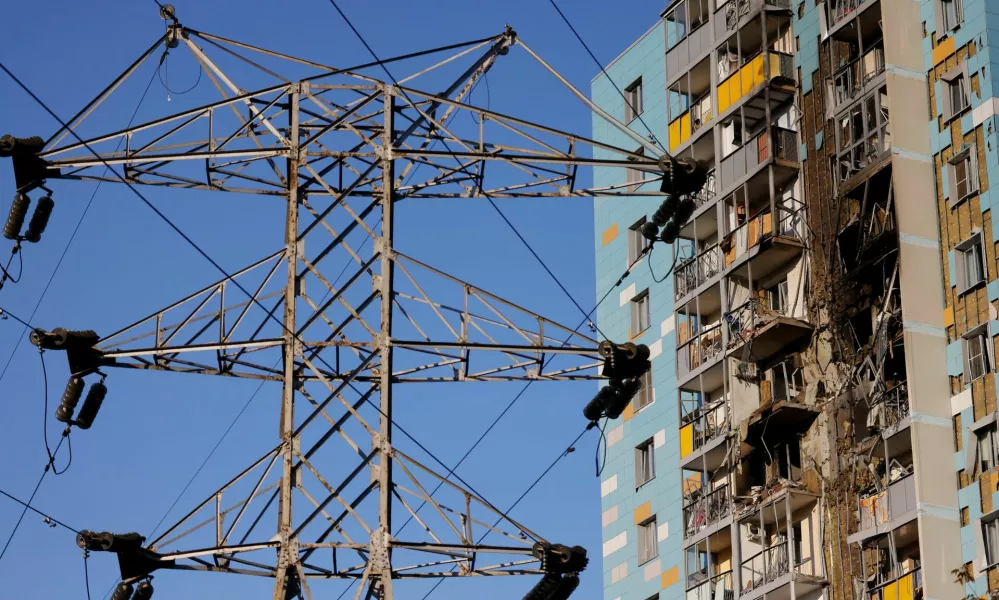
891, 566
780, 544
694, 276
699, 355
763, 333
888, 506
739, 14
870, 232
706, 508
885, 411
846, 16
762, 245
690, 108
747, 162
708, 566
703, 435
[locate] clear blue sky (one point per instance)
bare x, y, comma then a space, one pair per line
155, 428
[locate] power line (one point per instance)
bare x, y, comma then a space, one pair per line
604, 71
72, 237
27, 506
4, 313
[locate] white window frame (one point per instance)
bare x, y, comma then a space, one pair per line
966, 159
990, 537
977, 354
646, 394
648, 541
957, 76
988, 449
633, 101
636, 241
645, 463
968, 255
946, 7
641, 313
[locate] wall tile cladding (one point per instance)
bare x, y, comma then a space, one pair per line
623, 577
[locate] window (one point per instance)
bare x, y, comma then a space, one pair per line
648, 547
645, 463
970, 263
633, 177
633, 101
640, 316
990, 534
645, 395
978, 355
951, 13
957, 94
964, 174
987, 449
636, 241
777, 297
862, 136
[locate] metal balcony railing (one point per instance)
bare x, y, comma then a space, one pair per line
849, 80
704, 510
889, 408
790, 223
706, 193
701, 348
696, 270
764, 567
743, 320
841, 9
718, 587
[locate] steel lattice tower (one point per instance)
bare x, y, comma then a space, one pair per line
342, 148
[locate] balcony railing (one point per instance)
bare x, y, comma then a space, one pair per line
754, 72
706, 510
765, 567
841, 9
718, 587
864, 153
706, 193
849, 81
881, 507
701, 426
791, 223
691, 120
906, 586
728, 14
889, 408
696, 270
747, 158
700, 349
746, 318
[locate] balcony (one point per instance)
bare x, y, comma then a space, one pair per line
733, 14
696, 271
702, 435
769, 572
840, 12
699, 356
687, 38
768, 249
887, 510
703, 511
858, 77
690, 122
780, 148
889, 410
718, 587
765, 67
769, 334
908, 586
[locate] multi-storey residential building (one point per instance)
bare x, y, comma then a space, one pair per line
819, 378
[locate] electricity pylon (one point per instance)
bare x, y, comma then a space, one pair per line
343, 149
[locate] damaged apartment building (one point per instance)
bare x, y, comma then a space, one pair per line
820, 416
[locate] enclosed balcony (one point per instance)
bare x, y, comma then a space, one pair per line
739, 14
716, 587
747, 161
688, 39
708, 567
702, 436
860, 75
885, 509
845, 16
703, 224
761, 246
892, 566
690, 108
764, 333
863, 139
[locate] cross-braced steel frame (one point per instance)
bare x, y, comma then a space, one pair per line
346, 150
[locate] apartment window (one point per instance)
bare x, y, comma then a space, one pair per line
990, 534
633, 177
862, 136
636, 241
987, 449
777, 297
644, 396
633, 101
970, 260
963, 174
645, 463
976, 346
640, 313
648, 546
955, 88
951, 14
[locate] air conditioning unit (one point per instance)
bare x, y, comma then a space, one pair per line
755, 534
